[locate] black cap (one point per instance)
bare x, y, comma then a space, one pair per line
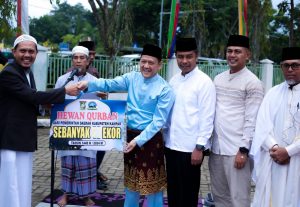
186, 44
238, 40
290, 53
90, 45
152, 50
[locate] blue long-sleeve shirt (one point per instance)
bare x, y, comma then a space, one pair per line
149, 101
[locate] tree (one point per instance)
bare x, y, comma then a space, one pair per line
113, 22
192, 23
222, 21
285, 8
145, 30
260, 16
7, 11
114, 25
74, 22
280, 30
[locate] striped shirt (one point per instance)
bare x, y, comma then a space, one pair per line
239, 96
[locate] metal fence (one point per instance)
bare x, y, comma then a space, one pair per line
58, 65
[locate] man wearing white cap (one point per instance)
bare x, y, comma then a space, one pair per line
19, 102
81, 163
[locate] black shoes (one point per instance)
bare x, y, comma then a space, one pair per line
102, 182
101, 185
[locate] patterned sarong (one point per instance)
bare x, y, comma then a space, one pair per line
78, 175
144, 168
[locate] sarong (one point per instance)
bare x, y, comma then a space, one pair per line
144, 167
78, 175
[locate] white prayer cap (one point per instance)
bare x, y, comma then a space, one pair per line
23, 38
80, 49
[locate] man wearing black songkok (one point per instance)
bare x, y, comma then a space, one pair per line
239, 94
276, 144
189, 127
149, 102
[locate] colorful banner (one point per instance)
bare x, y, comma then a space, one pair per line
243, 17
88, 124
175, 7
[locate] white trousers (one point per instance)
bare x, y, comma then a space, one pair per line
15, 178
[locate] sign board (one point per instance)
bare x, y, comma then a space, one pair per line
88, 124
64, 46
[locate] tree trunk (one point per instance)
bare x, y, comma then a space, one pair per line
291, 26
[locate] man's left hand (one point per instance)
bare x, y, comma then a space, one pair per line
197, 157
280, 155
130, 146
240, 160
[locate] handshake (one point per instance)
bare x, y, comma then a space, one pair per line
76, 88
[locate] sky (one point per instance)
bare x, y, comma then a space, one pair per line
38, 8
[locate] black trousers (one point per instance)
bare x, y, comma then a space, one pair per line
99, 157
183, 179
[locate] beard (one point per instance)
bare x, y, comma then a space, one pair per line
291, 82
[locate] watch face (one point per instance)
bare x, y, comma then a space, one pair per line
200, 147
244, 150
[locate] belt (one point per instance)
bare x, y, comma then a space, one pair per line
134, 130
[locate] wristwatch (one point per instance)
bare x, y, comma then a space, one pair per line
200, 147
244, 150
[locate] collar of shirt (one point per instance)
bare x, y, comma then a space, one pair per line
295, 87
27, 72
189, 74
151, 79
231, 76
80, 77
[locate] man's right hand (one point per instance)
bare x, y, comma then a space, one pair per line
72, 90
102, 95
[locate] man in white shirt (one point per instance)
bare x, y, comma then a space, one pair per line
239, 95
189, 127
78, 167
276, 144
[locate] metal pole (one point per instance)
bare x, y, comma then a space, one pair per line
52, 178
160, 23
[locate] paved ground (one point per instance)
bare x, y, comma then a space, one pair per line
112, 167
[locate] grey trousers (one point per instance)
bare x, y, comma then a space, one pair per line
231, 187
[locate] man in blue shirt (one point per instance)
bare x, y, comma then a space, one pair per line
149, 102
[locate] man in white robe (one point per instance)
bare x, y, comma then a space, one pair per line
276, 145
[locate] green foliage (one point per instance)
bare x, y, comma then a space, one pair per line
114, 24
279, 34
72, 39
146, 21
64, 22
113, 21
7, 11
260, 16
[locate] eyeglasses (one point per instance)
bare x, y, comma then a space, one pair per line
294, 66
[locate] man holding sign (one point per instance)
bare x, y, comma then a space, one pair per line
81, 163
149, 102
19, 101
